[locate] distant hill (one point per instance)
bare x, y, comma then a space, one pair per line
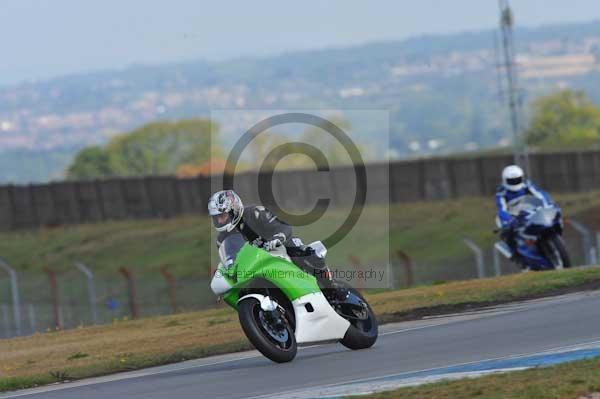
442, 92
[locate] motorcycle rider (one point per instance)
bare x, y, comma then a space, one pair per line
265, 230
514, 186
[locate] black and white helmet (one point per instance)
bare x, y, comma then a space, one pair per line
513, 178
226, 210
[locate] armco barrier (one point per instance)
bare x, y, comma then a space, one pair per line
55, 204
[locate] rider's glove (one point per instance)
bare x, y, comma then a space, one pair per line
275, 242
510, 225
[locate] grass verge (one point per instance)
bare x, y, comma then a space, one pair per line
572, 380
134, 344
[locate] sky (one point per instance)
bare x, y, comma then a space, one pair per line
40, 39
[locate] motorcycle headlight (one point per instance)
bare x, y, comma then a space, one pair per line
549, 216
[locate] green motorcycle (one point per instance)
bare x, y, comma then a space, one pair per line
281, 306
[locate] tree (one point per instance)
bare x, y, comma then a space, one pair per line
89, 163
157, 148
566, 118
160, 148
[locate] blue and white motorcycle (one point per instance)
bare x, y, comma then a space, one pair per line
538, 234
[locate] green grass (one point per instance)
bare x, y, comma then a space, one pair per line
566, 381
142, 245
472, 293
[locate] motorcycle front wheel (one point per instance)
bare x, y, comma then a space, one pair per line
553, 248
269, 332
363, 330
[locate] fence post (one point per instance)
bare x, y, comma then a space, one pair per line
32, 323
54, 293
91, 289
408, 267
133, 306
496, 255
478, 256
6, 320
172, 287
588, 249
14, 287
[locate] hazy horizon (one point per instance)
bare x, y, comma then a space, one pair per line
62, 37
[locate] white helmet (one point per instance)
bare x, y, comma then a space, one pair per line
226, 209
513, 178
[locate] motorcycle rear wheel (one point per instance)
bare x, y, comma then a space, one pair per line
276, 342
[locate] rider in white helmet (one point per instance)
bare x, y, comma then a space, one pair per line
513, 187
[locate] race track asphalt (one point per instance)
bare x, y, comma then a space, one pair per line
516, 329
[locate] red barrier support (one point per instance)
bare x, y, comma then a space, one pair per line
133, 306
408, 267
172, 283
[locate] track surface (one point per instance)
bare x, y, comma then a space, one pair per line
503, 331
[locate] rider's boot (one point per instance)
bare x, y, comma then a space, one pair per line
331, 287
516, 257
306, 259
509, 238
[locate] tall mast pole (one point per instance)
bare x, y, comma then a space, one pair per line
521, 153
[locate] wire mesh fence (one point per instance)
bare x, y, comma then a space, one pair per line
52, 301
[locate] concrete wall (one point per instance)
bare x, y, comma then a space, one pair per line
24, 207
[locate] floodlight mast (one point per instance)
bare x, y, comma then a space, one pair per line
521, 152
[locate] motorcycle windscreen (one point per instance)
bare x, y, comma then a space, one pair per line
527, 203
544, 217
230, 247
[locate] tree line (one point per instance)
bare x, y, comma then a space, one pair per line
187, 148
